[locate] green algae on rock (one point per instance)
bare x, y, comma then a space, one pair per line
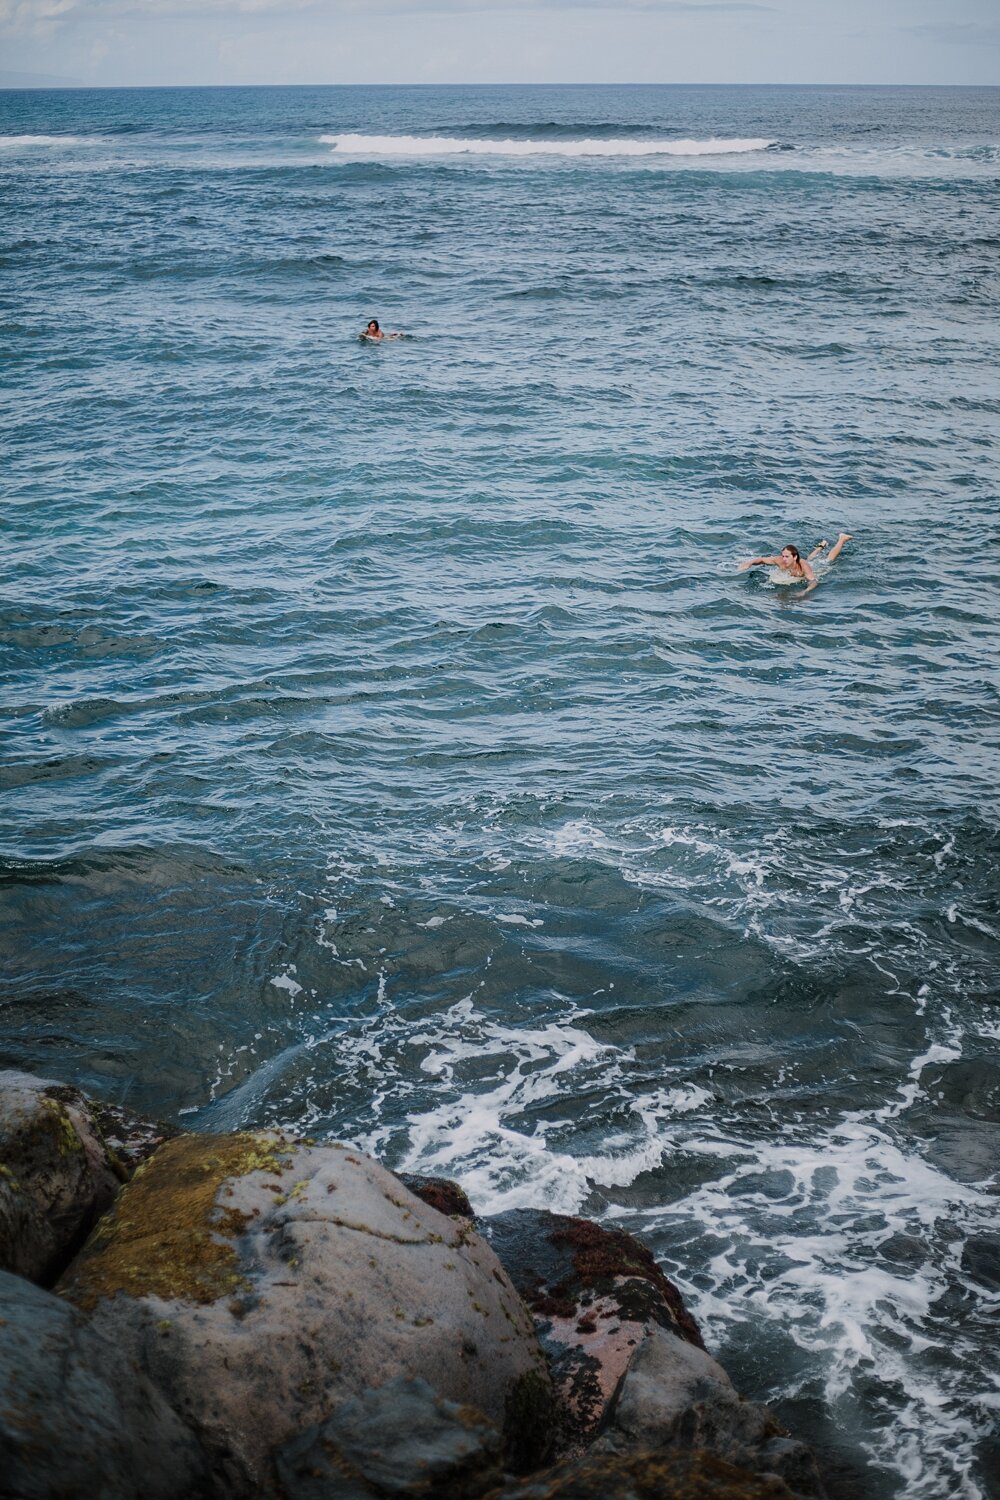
529, 1422
167, 1235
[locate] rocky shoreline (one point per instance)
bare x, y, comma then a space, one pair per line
211, 1317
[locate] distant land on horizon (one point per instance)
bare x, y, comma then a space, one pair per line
10, 80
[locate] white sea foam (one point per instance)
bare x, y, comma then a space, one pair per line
841, 160
954, 915
832, 1291
573, 838
15, 142
286, 982
840, 1234
443, 145
477, 1132
801, 1219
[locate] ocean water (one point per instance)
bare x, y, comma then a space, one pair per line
392, 750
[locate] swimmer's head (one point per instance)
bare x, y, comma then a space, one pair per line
790, 555
373, 325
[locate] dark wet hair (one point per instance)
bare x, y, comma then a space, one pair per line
795, 553
371, 321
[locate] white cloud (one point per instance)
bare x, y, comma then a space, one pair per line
18, 13
503, 41
29, 15
27, 12
960, 33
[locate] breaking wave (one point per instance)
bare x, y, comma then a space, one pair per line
17, 142
442, 145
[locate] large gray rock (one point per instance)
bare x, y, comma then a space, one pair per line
401, 1441
676, 1396
76, 1417
56, 1174
262, 1282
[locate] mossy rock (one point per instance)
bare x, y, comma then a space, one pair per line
168, 1236
596, 1294
57, 1174
263, 1281
559, 1263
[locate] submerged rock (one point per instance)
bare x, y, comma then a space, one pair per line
981, 1259
595, 1294
76, 1416
400, 1440
56, 1174
262, 1282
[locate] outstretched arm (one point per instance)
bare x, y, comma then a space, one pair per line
757, 561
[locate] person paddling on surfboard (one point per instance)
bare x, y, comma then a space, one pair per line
373, 331
794, 566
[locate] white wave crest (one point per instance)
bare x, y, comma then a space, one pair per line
16, 142
442, 145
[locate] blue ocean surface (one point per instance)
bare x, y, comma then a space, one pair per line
392, 750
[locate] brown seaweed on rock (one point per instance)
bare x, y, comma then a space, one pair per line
561, 1264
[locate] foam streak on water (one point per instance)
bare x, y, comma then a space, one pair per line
391, 749
438, 145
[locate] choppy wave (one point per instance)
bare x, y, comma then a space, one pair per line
443, 145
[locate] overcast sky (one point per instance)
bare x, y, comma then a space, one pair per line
480, 41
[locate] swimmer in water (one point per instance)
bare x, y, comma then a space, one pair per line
795, 566
373, 331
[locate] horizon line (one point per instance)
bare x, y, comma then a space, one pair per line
71, 85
